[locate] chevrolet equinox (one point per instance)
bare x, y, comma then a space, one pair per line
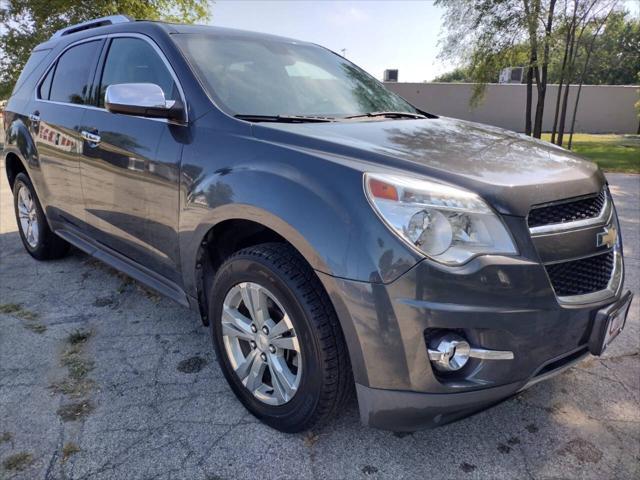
332, 236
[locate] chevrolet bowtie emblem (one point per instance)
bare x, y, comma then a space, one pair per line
608, 237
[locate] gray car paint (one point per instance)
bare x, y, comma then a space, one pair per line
305, 182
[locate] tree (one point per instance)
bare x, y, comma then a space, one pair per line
588, 15
541, 70
567, 32
637, 105
554, 39
531, 15
599, 23
482, 35
457, 75
617, 61
488, 34
576, 28
26, 23
532, 18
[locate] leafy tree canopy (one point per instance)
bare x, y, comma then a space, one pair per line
616, 58
457, 75
26, 23
480, 36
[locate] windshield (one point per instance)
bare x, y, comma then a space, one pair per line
276, 77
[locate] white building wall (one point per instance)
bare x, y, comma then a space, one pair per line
602, 108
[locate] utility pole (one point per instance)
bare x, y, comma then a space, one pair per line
344, 52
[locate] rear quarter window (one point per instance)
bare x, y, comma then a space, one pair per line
35, 60
45, 86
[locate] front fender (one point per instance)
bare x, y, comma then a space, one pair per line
318, 205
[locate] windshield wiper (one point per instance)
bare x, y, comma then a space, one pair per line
284, 118
387, 114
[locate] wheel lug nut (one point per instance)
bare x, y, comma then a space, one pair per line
265, 330
272, 349
254, 329
263, 356
253, 345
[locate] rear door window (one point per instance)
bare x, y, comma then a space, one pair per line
72, 75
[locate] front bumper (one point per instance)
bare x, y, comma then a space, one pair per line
409, 411
496, 303
403, 411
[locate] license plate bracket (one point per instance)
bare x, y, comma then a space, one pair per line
608, 324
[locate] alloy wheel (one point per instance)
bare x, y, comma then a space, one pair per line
28, 216
261, 343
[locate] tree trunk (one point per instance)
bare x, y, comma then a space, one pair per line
527, 110
531, 16
573, 119
565, 99
582, 75
557, 110
563, 113
562, 74
573, 53
542, 84
542, 93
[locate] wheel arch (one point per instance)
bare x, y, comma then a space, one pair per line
13, 166
20, 153
215, 247
234, 232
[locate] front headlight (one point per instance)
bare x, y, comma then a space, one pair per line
447, 224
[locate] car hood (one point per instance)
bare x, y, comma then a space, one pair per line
511, 171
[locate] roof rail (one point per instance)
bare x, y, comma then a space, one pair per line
98, 22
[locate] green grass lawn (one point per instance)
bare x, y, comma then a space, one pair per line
614, 153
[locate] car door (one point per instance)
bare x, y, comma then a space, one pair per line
58, 109
130, 164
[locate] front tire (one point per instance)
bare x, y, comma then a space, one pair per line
277, 338
37, 237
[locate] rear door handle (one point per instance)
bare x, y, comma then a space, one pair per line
93, 138
34, 120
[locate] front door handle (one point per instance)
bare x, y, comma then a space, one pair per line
92, 138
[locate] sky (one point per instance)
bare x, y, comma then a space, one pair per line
376, 34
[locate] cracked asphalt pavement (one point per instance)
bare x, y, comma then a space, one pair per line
100, 378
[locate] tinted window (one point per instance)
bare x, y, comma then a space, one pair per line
279, 77
132, 60
71, 78
45, 86
34, 61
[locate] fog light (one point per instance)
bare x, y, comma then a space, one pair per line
451, 353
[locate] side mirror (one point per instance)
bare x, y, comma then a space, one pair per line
144, 99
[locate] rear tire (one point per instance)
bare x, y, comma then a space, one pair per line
37, 237
319, 368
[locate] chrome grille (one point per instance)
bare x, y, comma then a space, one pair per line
569, 211
561, 232
580, 277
